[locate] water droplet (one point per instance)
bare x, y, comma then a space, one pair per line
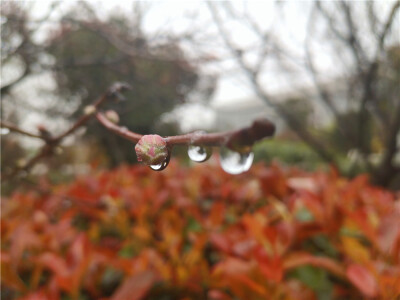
234, 162
4, 131
162, 166
199, 153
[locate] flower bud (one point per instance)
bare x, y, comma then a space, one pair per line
89, 109
112, 116
151, 149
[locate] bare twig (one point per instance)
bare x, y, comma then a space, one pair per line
243, 137
14, 128
52, 142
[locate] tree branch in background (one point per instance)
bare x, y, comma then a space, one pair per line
291, 121
13, 128
368, 92
362, 118
52, 142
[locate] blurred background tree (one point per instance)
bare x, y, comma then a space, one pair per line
359, 44
85, 54
87, 61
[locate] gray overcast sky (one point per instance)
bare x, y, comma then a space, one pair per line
173, 16
178, 16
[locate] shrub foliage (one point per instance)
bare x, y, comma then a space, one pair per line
199, 233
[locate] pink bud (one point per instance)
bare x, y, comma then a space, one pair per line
151, 149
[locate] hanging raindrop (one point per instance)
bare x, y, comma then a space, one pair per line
234, 162
163, 165
199, 153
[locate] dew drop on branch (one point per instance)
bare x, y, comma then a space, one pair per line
161, 166
234, 162
199, 153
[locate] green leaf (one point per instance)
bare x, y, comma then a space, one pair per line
304, 215
316, 279
193, 225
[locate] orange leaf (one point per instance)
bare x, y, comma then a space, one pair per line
254, 286
354, 249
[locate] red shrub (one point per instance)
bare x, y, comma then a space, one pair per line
199, 233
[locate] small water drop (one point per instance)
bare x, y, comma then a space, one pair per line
162, 166
4, 131
199, 153
234, 162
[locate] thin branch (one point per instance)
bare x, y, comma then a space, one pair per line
237, 138
243, 137
52, 142
121, 131
368, 94
387, 26
14, 128
292, 122
352, 37
113, 92
324, 95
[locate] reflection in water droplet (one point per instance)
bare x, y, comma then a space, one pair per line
163, 165
234, 162
199, 153
156, 167
4, 131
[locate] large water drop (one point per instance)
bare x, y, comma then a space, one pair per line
199, 153
234, 162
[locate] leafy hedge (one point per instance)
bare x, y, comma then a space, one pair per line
292, 153
199, 233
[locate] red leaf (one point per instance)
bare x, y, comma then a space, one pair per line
232, 266
135, 287
299, 259
217, 295
270, 265
363, 280
54, 263
39, 295
220, 241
